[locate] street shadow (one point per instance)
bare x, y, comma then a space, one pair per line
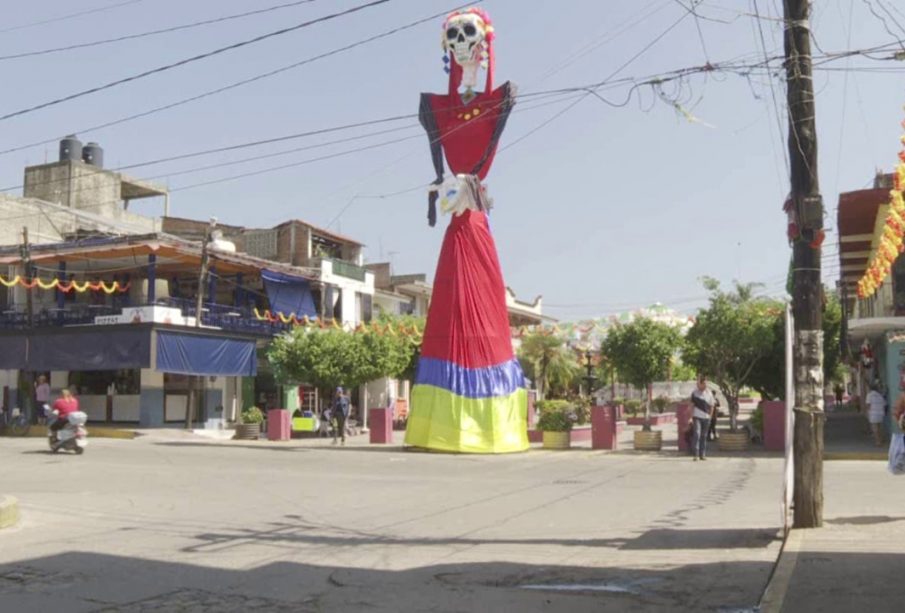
233, 445
295, 531
864, 520
88, 581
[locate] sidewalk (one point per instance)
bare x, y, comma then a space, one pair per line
855, 562
847, 436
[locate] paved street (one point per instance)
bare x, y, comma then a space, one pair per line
157, 524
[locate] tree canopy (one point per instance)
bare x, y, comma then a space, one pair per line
731, 337
641, 352
333, 357
548, 362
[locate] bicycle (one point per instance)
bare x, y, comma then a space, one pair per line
14, 422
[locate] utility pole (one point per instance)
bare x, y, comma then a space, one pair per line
807, 287
195, 380
26, 380
26, 272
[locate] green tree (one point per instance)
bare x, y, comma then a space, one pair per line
832, 331
548, 362
768, 377
641, 352
731, 337
332, 357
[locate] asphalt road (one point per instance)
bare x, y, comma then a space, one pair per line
177, 524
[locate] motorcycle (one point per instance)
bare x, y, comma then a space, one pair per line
72, 436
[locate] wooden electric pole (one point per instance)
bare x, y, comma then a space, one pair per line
25, 380
807, 287
195, 380
26, 273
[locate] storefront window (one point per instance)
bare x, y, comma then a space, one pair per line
175, 384
898, 285
125, 382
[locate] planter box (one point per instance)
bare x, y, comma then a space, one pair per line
733, 441
655, 420
248, 432
556, 440
648, 441
578, 434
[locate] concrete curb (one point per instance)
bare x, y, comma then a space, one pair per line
93, 432
879, 456
9, 511
775, 592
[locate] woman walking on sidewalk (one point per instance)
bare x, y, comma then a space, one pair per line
704, 403
876, 413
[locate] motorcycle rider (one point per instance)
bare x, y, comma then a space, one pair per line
65, 405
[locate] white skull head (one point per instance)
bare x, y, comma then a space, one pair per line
464, 36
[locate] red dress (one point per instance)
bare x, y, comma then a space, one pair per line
469, 391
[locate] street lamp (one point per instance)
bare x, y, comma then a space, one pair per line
590, 378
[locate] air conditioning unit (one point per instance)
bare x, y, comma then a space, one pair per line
139, 290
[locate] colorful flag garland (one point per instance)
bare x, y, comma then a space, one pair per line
891, 242
66, 286
380, 329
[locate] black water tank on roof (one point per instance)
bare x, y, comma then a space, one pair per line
93, 154
70, 149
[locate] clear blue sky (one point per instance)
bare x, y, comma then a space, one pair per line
601, 210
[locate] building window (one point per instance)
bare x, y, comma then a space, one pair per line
101, 382
898, 286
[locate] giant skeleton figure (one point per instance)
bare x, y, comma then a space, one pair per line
469, 392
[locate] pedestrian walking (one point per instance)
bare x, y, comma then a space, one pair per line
876, 413
42, 399
703, 401
839, 391
340, 414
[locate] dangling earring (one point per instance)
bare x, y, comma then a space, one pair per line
446, 63
485, 58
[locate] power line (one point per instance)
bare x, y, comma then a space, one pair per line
242, 82
763, 43
68, 16
192, 59
582, 91
278, 139
177, 28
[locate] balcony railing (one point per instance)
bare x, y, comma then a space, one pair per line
222, 316
73, 315
348, 270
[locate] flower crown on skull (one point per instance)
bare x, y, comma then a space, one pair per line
467, 35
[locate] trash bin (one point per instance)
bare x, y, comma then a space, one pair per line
279, 425
380, 423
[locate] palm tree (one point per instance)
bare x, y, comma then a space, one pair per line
550, 360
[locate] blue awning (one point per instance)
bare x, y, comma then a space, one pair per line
194, 354
13, 352
289, 294
77, 349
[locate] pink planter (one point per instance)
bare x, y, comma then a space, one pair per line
576, 435
279, 425
774, 425
604, 428
683, 418
380, 424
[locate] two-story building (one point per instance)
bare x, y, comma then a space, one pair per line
874, 325
103, 298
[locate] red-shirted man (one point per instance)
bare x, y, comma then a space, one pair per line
65, 405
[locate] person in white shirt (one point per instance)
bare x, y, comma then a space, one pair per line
703, 401
876, 413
